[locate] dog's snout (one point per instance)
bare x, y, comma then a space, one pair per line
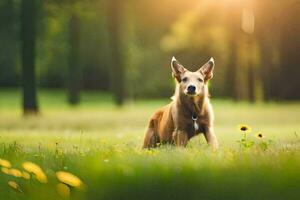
191, 89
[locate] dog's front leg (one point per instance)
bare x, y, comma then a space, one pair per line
180, 138
211, 137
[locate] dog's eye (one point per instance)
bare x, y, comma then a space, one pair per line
200, 80
184, 79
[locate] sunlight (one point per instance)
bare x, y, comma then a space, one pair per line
248, 21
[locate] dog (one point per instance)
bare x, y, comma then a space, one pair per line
190, 112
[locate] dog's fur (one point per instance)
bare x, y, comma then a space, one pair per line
173, 123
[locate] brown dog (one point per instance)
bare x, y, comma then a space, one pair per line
189, 114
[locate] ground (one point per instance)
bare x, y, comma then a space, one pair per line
101, 144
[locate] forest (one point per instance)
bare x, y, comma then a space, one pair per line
113, 46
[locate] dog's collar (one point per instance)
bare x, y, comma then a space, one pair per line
194, 118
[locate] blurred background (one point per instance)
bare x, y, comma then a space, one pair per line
124, 48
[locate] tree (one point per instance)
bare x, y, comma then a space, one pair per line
267, 33
74, 82
290, 30
233, 22
28, 38
73, 10
8, 39
117, 64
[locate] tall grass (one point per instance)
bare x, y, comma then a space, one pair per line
100, 144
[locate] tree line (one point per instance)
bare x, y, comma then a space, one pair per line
125, 47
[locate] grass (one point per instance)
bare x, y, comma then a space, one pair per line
100, 143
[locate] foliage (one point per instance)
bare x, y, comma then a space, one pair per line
249, 65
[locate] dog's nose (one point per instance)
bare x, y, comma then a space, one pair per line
191, 89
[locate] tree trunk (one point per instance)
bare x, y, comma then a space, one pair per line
28, 37
267, 33
233, 22
117, 63
8, 39
74, 82
290, 48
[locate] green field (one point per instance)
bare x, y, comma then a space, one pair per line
101, 144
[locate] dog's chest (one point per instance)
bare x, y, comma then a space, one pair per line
193, 130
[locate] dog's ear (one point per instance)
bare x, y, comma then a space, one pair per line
207, 69
177, 69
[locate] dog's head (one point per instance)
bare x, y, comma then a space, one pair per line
192, 83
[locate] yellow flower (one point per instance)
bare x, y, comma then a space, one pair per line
68, 178
5, 170
25, 175
244, 128
259, 135
36, 170
14, 185
41, 177
15, 172
31, 167
5, 163
63, 190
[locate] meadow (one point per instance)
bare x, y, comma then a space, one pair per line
101, 145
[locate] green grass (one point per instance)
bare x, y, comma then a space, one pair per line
100, 143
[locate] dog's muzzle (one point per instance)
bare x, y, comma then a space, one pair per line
191, 90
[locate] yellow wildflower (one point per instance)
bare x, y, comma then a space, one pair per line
5, 170
14, 185
15, 172
259, 135
25, 175
36, 170
41, 177
68, 178
244, 128
31, 167
63, 190
5, 163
